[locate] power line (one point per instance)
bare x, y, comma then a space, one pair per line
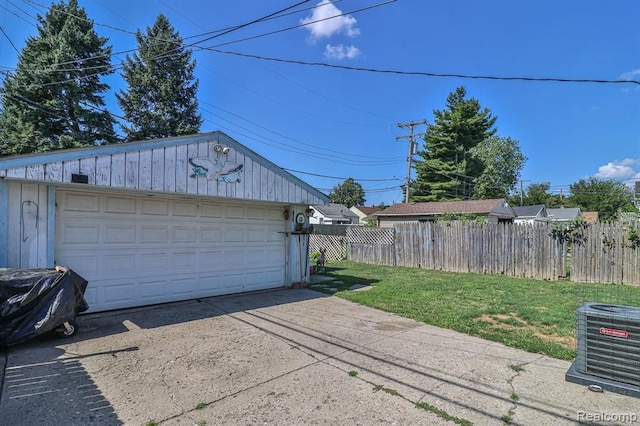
342, 178
426, 73
9, 40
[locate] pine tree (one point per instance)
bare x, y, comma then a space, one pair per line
448, 168
161, 97
55, 98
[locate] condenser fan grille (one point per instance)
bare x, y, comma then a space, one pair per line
609, 342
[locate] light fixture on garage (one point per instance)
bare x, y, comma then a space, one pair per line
221, 149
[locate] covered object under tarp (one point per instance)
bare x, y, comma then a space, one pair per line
36, 301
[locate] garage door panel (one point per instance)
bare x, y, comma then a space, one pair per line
137, 250
122, 205
80, 234
81, 202
115, 292
210, 285
155, 207
210, 210
115, 265
234, 212
210, 235
154, 234
184, 234
117, 233
153, 262
152, 290
234, 235
254, 213
184, 261
233, 282
185, 209
184, 287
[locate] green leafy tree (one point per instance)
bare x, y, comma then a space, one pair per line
349, 193
535, 194
448, 167
161, 97
607, 197
503, 161
55, 99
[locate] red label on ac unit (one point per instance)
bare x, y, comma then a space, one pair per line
614, 332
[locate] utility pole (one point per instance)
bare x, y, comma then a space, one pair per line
410, 153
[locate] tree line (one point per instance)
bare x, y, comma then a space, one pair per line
463, 158
54, 99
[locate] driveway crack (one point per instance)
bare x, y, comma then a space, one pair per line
517, 371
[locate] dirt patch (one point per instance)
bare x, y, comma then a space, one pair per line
511, 321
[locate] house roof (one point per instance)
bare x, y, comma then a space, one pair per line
528, 211
497, 206
569, 213
367, 211
130, 166
335, 211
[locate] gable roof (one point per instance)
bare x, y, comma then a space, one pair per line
335, 211
166, 165
496, 206
568, 213
529, 211
367, 211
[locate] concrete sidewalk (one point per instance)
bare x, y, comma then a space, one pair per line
286, 357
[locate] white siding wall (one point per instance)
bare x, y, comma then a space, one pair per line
27, 230
167, 169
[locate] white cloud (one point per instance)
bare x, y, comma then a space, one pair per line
341, 51
619, 169
327, 27
630, 75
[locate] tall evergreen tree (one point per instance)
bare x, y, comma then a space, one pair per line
55, 98
161, 97
448, 167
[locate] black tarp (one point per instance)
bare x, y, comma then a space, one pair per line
36, 301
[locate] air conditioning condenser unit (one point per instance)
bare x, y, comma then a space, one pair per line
608, 352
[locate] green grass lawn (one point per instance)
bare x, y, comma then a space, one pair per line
537, 316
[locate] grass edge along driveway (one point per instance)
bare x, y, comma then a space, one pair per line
533, 315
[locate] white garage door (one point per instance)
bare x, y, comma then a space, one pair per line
141, 250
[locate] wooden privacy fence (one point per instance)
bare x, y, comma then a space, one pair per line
520, 250
600, 253
606, 253
371, 245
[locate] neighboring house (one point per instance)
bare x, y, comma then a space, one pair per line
332, 214
591, 217
364, 213
158, 220
530, 214
567, 214
495, 210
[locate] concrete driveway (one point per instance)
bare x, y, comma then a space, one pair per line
285, 357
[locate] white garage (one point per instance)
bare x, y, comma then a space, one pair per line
157, 221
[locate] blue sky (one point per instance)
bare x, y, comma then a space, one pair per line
343, 123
